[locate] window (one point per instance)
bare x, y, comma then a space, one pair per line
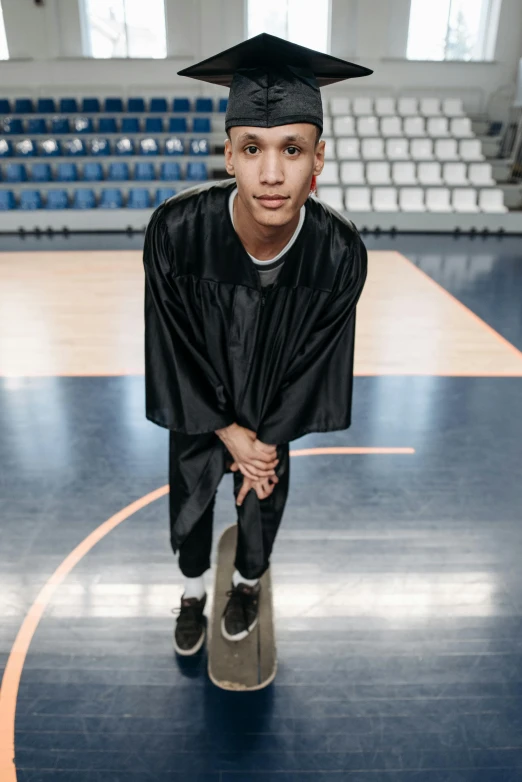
450, 30
305, 22
4, 51
125, 28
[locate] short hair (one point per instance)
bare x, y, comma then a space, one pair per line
318, 134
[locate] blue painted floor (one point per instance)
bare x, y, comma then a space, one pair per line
397, 579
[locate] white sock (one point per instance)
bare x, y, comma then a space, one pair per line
238, 578
194, 587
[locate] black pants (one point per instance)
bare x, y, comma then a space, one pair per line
258, 523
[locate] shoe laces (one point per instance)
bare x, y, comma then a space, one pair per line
188, 613
240, 600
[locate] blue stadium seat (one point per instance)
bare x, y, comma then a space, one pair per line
148, 146
7, 200
15, 172
118, 172
130, 125
158, 104
91, 105
177, 125
144, 172
41, 172
23, 106
66, 172
68, 105
57, 199
60, 125
181, 104
25, 148
201, 125
36, 125
174, 146
204, 104
223, 103
196, 171
84, 199
139, 198
74, 146
162, 194
107, 125
99, 146
30, 199
135, 104
6, 148
124, 146
82, 125
111, 198
46, 106
51, 147
153, 125
170, 171
92, 172
113, 104
13, 126
198, 146
5, 106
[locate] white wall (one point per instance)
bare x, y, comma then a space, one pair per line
46, 45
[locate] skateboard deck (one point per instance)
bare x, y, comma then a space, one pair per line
250, 664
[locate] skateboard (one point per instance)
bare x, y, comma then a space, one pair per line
250, 664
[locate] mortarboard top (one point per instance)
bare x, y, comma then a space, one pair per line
273, 81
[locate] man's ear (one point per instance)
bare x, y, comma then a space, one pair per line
228, 157
319, 158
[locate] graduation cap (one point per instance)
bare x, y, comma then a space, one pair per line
273, 81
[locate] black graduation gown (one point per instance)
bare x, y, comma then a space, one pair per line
221, 349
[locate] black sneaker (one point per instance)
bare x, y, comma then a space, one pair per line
241, 611
189, 632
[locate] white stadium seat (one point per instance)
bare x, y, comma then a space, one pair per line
330, 173
357, 199
491, 200
446, 149
362, 106
340, 107
480, 174
414, 126
352, 173
391, 126
367, 126
384, 107
327, 126
407, 107
384, 199
348, 148
411, 199
429, 107
372, 149
329, 148
460, 127
333, 196
429, 174
438, 199
421, 149
464, 199
378, 173
470, 149
454, 174
437, 127
397, 149
452, 107
344, 126
404, 173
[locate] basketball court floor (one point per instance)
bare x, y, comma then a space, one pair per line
397, 571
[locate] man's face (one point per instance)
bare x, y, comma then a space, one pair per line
273, 168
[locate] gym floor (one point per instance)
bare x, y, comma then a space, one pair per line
397, 579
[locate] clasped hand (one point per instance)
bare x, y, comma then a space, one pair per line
254, 459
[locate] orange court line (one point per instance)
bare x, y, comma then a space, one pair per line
17, 656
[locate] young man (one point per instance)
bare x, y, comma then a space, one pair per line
251, 288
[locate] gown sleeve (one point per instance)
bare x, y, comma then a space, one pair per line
316, 390
182, 390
